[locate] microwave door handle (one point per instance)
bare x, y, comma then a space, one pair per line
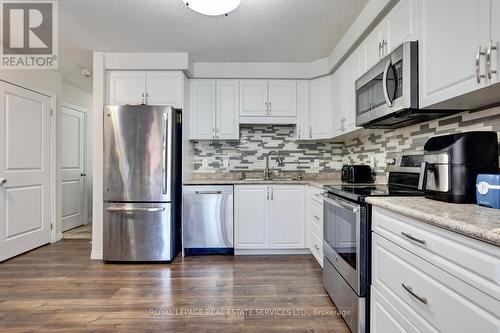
422, 179
352, 208
384, 83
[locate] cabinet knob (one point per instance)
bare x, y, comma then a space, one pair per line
3, 181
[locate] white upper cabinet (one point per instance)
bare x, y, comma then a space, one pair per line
272, 101
227, 115
337, 109
213, 109
202, 109
451, 47
320, 108
282, 98
139, 87
253, 98
402, 23
398, 26
126, 87
495, 41
164, 88
303, 110
288, 224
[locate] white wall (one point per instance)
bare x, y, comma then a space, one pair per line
83, 99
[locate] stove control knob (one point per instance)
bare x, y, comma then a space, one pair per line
390, 161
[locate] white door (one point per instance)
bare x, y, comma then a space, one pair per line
127, 87
303, 110
253, 98
283, 98
25, 167
251, 216
337, 102
288, 217
450, 34
164, 88
495, 38
227, 115
72, 167
320, 111
202, 109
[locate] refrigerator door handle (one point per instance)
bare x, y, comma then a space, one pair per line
135, 209
164, 155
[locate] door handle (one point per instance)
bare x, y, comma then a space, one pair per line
272, 193
83, 174
142, 101
3, 181
384, 83
310, 132
411, 292
136, 209
491, 47
164, 156
147, 98
208, 192
479, 76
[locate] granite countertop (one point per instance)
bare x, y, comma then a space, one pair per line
467, 219
222, 181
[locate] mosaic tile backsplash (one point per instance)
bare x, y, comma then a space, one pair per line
326, 156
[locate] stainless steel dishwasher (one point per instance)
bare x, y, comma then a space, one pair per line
207, 223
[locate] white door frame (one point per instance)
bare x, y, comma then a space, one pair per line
85, 158
55, 196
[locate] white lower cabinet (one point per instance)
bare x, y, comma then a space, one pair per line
314, 223
411, 294
269, 217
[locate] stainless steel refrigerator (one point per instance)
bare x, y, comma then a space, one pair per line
142, 183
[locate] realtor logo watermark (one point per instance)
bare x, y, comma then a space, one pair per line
29, 35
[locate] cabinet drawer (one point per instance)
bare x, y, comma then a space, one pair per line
316, 215
470, 260
316, 247
431, 299
316, 194
385, 318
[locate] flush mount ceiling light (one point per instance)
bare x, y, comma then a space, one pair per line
212, 7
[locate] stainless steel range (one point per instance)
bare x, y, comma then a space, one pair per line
347, 237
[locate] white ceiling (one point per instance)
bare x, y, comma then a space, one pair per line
258, 31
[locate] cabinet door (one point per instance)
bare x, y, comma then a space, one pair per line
287, 222
227, 116
253, 98
402, 23
126, 87
164, 88
337, 110
350, 74
303, 110
202, 109
320, 111
372, 50
251, 217
282, 98
495, 38
448, 46
384, 318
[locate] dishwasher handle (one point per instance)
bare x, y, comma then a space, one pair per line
208, 192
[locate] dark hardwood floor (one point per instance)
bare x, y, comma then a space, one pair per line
58, 288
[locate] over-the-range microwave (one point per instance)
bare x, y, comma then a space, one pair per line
387, 94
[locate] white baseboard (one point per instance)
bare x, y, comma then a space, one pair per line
253, 252
96, 254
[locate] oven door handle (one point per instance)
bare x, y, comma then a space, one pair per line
341, 204
384, 83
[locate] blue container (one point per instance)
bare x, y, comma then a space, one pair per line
488, 190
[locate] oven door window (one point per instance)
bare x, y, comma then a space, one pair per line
341, 231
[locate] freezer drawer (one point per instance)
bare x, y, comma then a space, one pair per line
137, 232
208, 217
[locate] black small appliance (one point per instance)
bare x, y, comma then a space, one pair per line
357, 174
452, 162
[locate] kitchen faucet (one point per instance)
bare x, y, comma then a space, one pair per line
279, 159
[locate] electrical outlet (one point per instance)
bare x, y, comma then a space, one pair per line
204, 164
316, 163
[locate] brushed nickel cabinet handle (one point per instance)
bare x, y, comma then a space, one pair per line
411, 292
491, 47
420, 241
479, 76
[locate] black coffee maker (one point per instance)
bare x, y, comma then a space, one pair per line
452, 162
